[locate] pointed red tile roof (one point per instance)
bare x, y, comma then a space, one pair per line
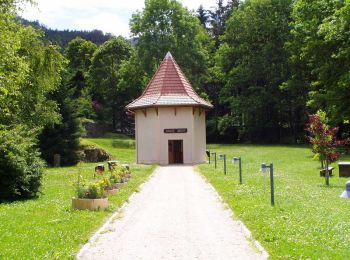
168, 87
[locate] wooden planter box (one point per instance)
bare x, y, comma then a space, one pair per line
344, 169
90, 204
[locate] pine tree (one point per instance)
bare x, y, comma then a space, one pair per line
63, 138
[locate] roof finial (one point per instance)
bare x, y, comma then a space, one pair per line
168, 55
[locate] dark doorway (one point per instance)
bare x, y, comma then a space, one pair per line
175, 149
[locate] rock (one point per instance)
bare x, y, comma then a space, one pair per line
95, 154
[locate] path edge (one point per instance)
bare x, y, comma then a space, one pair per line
104, 227
244, 228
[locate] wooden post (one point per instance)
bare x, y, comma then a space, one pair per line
56, 160
327, 174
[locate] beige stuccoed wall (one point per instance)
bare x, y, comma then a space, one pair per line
147, 136
152, 142
199, 136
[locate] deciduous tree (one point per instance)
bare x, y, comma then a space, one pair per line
165, 25
104, 77
253, 64
325, 145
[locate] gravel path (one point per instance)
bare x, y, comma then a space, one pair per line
176, 215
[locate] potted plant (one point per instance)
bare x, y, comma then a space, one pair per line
91, 196
115, 182
124, 173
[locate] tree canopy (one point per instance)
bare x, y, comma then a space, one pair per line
104, 78
165, 25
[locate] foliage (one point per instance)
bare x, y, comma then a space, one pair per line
118, 174
104, 77
62, 138
308, 221
165, 25
203, 16
29, 71
218, 18
132, 79
115, 177
214, 21
320, 49
79, 53
20, 166
253, 64
95, 190
323, 140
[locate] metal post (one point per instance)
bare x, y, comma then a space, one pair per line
240, 170
225, 164
272, 185
215, 159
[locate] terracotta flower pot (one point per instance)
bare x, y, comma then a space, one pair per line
90, 204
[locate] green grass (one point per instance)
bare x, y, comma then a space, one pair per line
309, 220
47, 227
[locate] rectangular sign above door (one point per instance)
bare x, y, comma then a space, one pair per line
175, 130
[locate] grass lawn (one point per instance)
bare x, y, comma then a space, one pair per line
309, 220
47, 227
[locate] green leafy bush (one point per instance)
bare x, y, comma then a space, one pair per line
20, 165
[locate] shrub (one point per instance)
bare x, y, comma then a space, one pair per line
20, 165
118, 174
94, 190
115, 177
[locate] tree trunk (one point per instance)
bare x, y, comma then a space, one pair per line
327, 173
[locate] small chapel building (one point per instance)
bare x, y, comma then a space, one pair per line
170, 119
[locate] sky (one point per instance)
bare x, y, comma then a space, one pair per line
110, 16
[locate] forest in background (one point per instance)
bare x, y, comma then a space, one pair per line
63, 37
263, 64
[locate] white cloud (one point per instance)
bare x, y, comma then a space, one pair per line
106, 15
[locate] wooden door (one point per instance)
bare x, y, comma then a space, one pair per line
175, 151
171, 151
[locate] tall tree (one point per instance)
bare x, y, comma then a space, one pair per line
203, 16
104, 77
29, 71
254, 64
165, 25
320, 50
218, 18
63, 137
79, 53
